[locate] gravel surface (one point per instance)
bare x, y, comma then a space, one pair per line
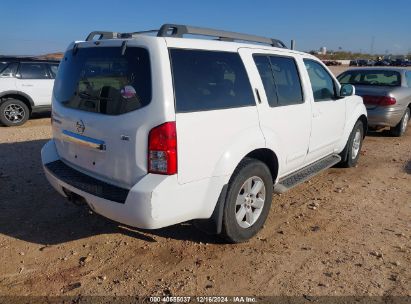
345, 232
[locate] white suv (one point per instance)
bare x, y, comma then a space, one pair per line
26, 85
154, 131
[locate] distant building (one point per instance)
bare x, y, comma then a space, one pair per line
323, 50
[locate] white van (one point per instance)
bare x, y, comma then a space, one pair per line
151, 131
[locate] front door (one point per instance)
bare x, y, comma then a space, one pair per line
328, 111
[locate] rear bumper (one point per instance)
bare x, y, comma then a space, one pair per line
385, 117
155, 201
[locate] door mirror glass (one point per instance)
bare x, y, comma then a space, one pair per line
347, 90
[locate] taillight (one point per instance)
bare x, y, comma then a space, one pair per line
379, 100
162, 149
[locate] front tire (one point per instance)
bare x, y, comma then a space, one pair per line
401, 127
248, 201
351, 152
13, 112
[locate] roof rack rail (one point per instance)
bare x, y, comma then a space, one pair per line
178, 30
101, 35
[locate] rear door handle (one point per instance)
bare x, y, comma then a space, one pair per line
258, 95
26, 85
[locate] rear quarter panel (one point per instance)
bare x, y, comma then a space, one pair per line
403, 97
212, 143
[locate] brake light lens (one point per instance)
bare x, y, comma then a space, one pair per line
162, 149
379, 100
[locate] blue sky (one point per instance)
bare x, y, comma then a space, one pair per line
37, 27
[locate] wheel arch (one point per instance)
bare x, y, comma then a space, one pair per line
18, 95
364, 121
268, 157
213, 225
358, 113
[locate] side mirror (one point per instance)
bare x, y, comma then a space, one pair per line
347, 90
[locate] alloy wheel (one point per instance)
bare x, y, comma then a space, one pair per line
250, 202
14, 113
356, 144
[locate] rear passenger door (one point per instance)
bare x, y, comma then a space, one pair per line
328, 114
7, 77
285, 114
34, 79
216, 115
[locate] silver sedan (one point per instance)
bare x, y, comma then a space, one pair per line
386, 93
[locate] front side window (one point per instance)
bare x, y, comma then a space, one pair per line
322, 83
209, 80
33, 70
103, 80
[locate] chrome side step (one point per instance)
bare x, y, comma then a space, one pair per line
302, 175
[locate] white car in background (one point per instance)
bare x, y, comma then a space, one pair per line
26, 86
152, 131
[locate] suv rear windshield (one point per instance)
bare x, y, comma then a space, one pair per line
102, 80
371, 77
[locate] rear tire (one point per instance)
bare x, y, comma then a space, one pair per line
401, 127
13, 112
352, 150
248, 201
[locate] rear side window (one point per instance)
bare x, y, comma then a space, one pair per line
10, 70
281, 79
287, 80
208, 80
2, 66
322, 83
103, 80
266, 73
33, 70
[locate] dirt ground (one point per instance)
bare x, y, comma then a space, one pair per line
345, 232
